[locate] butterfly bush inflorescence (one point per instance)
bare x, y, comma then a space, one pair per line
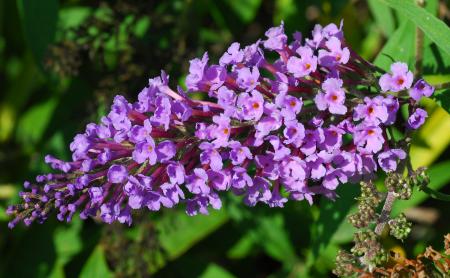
269, 129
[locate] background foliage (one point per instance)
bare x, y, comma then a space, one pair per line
61, 63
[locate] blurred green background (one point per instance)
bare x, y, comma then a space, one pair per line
61, 63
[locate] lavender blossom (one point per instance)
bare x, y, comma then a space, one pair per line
290, 120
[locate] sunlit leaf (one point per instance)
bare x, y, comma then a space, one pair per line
245, 9
433, 28
96, 265
215, 271
383, 17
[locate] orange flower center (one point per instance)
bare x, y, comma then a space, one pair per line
226, 131
255, 105
334, 97
308, 66
371, 132
371, 110
400, 81
292, 103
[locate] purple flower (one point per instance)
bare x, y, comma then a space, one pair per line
176, 173
240, 178
333, 178
196, 182
182, 110
161, 117
420, 89
210, 156
218, 180
247, 78
277, 200
145, 150
165, 151
368, 138
232, 56
117, 173
96, 194
268, 166
304, 65
227, 99
372, 111
290, 106
292, 172
335, 54
196, 72
400, 79
221, 131
417, 118
173, 193
392, 106
315, 165
259, 192
267, 124
332, 138
388, 159
239, 153
251, 105
279, 150
333, 97
294, 133
200, 204
140, 133
276, 38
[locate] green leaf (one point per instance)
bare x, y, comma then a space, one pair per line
439, 177
443, 99
179, 232
96, 265
332, 214
383, 17
34, 122
67, 240
72, 17
3, 215
433, 28
400, 47
245, 9
243, 247
39, 23
273, 236
215, 271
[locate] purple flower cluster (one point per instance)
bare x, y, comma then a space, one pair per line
269, 130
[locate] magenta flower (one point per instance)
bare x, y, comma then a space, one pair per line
417, 119
332, 97
269, 130
421, 89
368, 138
304, 65
388, 160
400, 79
373, 111
334, 54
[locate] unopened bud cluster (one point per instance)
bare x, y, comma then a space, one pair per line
399, 185
369, 249
344, 264
400, 227
367, 205
420, 178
